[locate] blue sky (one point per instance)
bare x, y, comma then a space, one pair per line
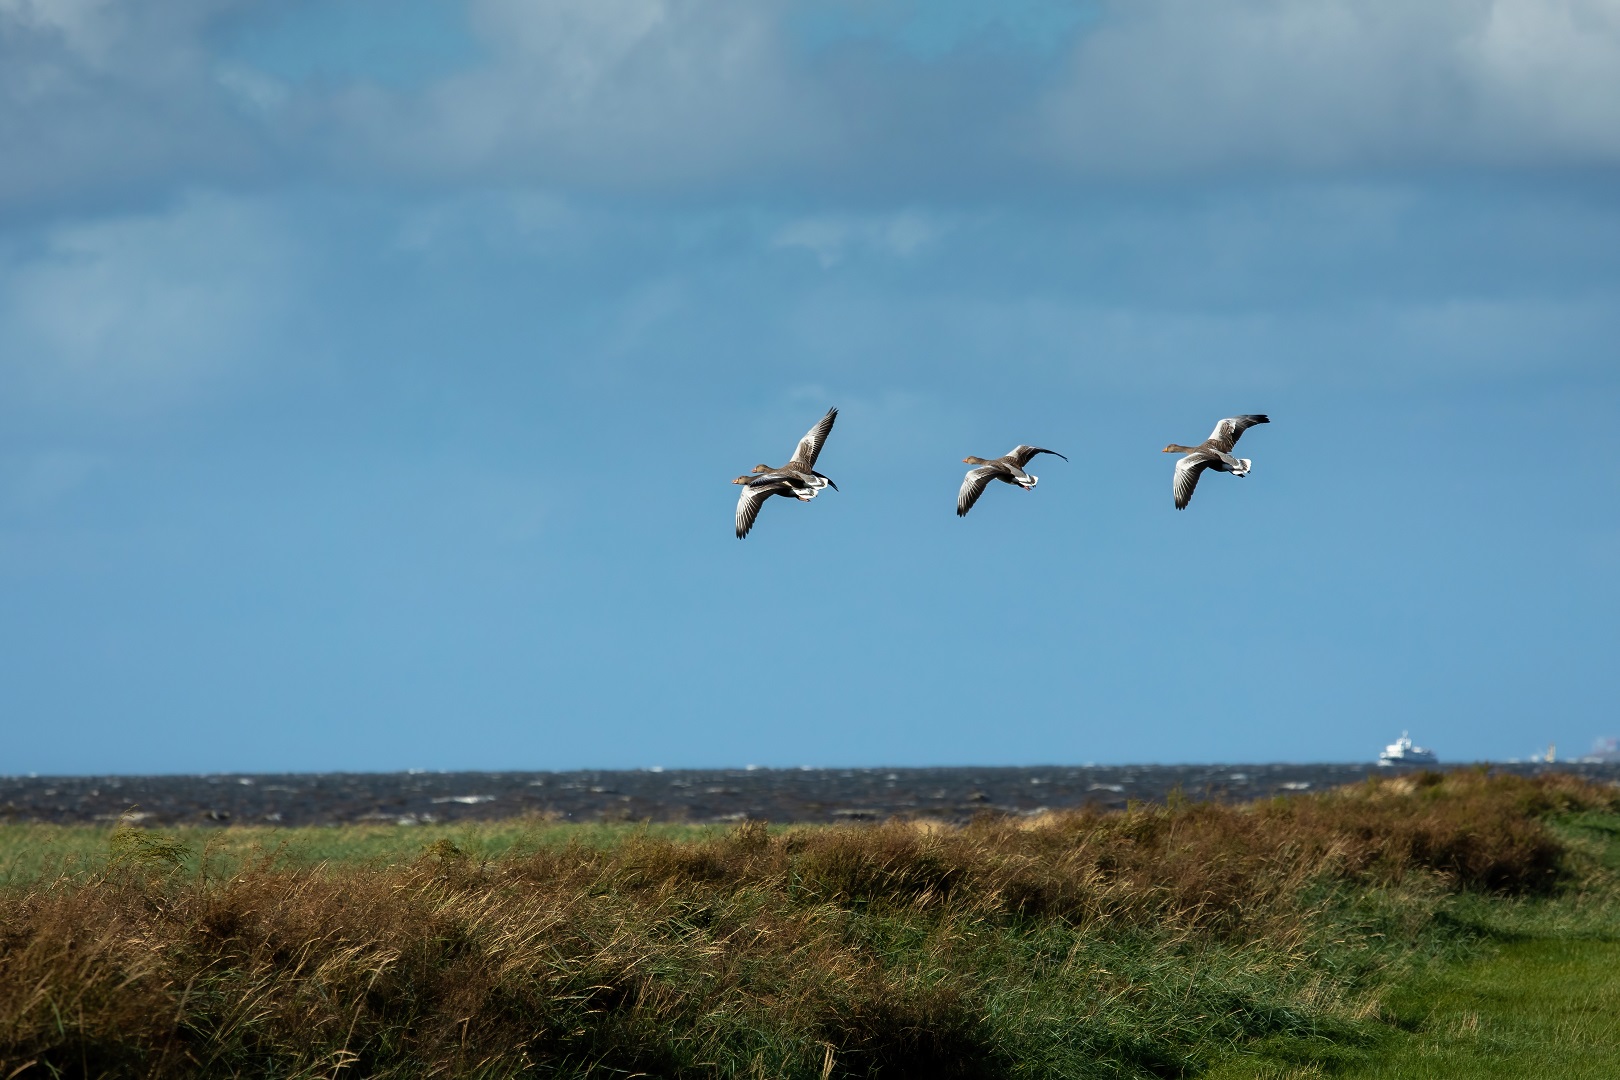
371, 376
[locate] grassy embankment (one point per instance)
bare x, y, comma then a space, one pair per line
1543, 999
1320, 935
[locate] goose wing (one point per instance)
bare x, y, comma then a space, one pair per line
1022, 455
973, 485
752, 498
1230, 430
810, 445
1186, 478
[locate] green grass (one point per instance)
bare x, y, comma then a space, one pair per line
1517, 988
1544, 1000
1539, 1008
1600, 832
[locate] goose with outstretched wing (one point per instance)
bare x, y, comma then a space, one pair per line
798, 478
1008, 468
1214, 452
801, 467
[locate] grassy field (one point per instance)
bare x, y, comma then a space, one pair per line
1534, 1008
1424, 927
29, 853
1527, 987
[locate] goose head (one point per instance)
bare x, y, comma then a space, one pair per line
1176, 448
971, 460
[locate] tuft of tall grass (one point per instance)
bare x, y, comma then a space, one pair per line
1143, 942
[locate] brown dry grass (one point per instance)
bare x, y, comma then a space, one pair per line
837, 951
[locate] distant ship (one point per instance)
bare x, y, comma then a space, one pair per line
1402, 752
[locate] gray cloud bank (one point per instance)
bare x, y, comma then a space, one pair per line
1254, 178
685, 97
1168, 85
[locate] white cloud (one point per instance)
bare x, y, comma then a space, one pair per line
504, 219
252, 88
1171, 85
1552, 69
97, 95
637, 95
102, 99
1163, 344
619, 94
87, 27
136, 311
832, 238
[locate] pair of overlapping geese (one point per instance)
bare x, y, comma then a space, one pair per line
798, 479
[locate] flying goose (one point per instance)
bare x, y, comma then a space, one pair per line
801, 467
797, 478
1214, 452
1008, 468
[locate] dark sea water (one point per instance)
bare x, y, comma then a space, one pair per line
691, 795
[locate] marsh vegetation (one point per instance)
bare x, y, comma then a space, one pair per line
1289, 937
